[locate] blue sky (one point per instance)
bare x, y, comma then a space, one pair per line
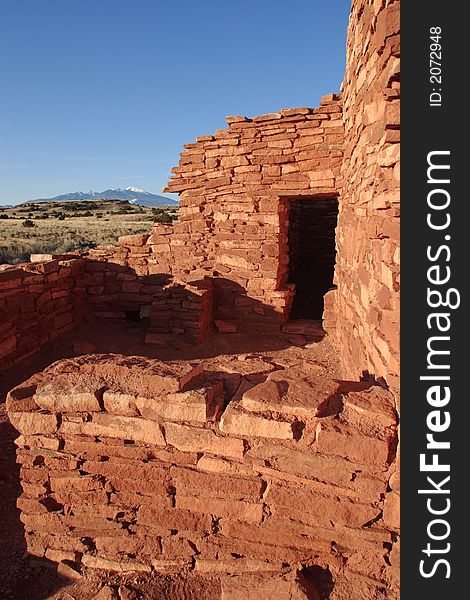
102, 94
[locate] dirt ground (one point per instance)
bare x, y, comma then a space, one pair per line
25, 578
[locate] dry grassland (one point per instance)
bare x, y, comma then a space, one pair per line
61, 227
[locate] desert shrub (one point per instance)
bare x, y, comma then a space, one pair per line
162, 215
28, 223
164, 218
12, 254
4, 216
61, 217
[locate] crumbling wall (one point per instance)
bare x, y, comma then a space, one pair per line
232, 227
232, 186
365, 307
120, 286
38, 302
47, 297
128, 463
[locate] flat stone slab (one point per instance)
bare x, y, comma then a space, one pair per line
145, 376
292, 392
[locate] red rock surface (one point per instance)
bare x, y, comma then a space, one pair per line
365, 307
188, 483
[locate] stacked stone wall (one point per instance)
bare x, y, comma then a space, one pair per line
365, 307
38, 302
43, 299
235, 188
131, 464
122, 283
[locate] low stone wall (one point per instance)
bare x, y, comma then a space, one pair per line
182, 311
119, 288
235, 187
132, 464
38, 302
50, 295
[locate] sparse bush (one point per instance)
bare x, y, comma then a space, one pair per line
4, 216
29, 223
163, 217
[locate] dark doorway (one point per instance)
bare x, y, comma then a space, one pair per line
312, 253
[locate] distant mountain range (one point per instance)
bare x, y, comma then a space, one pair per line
131, 194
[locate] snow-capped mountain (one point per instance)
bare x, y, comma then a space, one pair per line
131, 188
132, 194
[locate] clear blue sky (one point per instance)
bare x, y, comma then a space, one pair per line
98, 94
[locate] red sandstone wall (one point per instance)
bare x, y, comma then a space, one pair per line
234, 187
38, 302
365, 307
43, 299
132, 464
120, 280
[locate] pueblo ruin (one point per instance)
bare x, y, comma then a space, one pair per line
215, 445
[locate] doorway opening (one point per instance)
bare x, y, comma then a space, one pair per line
312, 253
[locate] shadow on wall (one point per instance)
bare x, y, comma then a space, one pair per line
149, 310
180, 310
41, 302
20, 578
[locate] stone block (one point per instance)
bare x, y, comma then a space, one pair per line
391, 513
114, 426
356, 447
189, 482
244, 511
192, 439
70, 401
33, 423
236, 422
315, 509
293, 392
165, 519
120, 404
134, 240
191, 406
94, 562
